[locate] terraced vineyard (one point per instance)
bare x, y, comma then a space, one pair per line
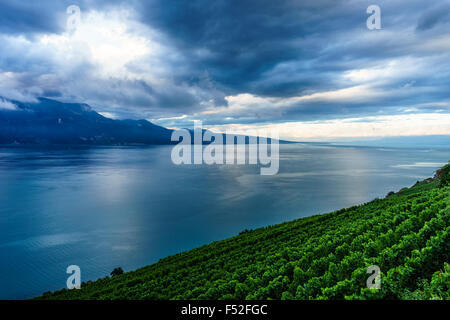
321, 257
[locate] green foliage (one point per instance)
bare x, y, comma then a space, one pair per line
319, 257
116, 271
444, 176
438, 288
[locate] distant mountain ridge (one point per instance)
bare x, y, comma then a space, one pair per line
52, 122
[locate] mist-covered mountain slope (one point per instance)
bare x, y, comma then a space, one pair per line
52, 122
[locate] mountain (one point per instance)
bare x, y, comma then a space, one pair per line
52, 122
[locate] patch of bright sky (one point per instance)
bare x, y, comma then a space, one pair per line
365, 127
108, 41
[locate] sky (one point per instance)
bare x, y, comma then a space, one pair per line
310, 69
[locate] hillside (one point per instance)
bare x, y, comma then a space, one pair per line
320, 257
52, 122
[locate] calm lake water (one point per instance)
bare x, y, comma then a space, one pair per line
100, 208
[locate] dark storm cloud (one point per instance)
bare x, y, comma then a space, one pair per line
239, 41
44, 16
437, 14
18, 17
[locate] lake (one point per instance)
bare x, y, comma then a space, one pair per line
105, 207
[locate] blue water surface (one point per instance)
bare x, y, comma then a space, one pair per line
104, 207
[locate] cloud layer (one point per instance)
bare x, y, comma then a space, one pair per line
233, 63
